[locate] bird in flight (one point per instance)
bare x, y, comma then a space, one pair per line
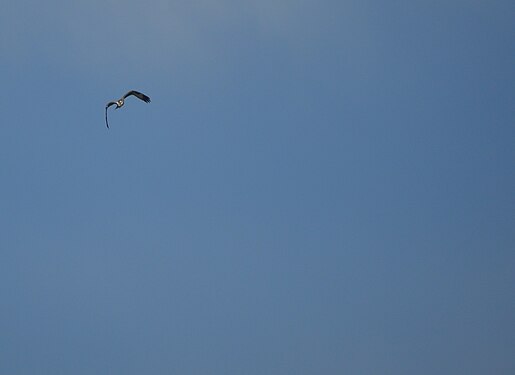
120, 102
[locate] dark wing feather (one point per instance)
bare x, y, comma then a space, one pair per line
107, 124
138, 95
107, 106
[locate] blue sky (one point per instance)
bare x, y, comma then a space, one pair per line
318, 187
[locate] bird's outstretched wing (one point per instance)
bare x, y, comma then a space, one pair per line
107, 106
138, 95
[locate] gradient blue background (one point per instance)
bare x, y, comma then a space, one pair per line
318, 187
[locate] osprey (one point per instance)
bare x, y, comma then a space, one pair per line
120, 102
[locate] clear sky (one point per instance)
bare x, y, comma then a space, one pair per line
317, 187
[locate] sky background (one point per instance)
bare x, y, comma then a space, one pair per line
318, 187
